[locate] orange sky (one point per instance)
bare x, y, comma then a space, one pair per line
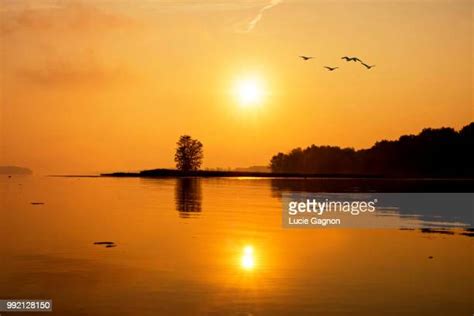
90, 86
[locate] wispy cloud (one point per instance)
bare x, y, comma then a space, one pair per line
71, 16
76, 72
251, 25
192, 5
15, 5
256, 7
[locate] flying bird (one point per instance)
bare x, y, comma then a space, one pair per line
367, 66
305, 58
346, 58
330, 68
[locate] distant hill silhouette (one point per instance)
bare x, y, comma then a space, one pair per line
14, 170
439, 152
254, 169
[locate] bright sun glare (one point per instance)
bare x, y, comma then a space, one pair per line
249, 91
247, 261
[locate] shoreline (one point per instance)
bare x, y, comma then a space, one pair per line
173, 173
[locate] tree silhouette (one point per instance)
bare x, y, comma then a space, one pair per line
189, 154
441, 152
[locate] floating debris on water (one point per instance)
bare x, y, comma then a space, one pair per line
437, 231
107, 244
469, 232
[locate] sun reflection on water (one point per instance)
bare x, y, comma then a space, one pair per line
247, 260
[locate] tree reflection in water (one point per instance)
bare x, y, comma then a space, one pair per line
188, 197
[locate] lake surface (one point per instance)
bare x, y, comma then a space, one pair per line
217, 247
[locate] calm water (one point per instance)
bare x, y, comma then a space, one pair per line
214, 247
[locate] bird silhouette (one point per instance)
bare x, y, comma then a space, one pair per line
367, 66
346, 58
330, 68
305, 58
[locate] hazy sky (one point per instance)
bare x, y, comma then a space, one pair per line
106, 85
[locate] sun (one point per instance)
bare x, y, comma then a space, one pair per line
249, 91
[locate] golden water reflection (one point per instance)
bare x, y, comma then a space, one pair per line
248, 261
176, 255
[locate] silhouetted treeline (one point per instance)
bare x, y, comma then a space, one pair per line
439, 152
14, 170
